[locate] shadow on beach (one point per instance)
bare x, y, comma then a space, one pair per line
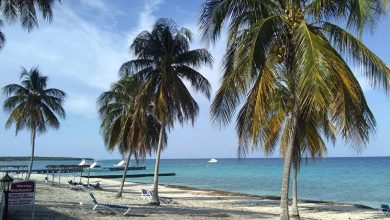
45, 211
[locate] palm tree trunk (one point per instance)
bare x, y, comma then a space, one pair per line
155, 197
119, 194
287, 166
33, 134
295, 211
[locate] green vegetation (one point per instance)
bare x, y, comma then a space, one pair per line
287, 62
163, 61
32, 106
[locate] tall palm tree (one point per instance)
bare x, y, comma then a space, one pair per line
133, 131
298, 37
163, 61
26, 12
33, 106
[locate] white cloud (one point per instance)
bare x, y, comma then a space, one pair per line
81, 105
146, 17
97, 4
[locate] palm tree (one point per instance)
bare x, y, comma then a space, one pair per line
298, 37
25, 12
32, 106
163, 61
133, 131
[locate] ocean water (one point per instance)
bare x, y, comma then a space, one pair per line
360, 180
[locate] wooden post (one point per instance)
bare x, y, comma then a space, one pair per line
81, 173
52, 181
89, 170
59, 178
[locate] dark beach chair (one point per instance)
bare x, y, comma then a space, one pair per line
109, 207
385, 209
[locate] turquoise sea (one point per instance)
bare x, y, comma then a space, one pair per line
360, 180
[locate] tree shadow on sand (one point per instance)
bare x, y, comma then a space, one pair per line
41, 212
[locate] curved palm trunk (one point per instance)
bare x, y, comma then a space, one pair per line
33, 134
155, 197
287, 166
120, 191
295, 211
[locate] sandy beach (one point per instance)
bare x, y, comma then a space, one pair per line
59, 202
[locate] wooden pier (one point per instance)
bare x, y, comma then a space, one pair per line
123, 168
129, 175
49, 169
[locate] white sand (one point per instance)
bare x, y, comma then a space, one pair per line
59, 202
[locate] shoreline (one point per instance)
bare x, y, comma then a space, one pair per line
217, 192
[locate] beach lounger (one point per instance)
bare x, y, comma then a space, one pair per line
76, 187
147, 194
385, 209
109, 207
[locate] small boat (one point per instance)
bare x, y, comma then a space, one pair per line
213, 160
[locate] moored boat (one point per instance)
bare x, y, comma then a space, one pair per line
213, 160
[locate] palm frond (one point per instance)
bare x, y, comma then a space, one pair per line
377, 72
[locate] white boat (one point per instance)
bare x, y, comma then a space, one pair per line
213, 160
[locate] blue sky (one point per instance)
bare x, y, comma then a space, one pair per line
81, 51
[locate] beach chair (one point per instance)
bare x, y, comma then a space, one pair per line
91, 186
75, 186
147, 194
385, 209
108, 207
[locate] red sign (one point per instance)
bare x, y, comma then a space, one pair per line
23, 186
22, 193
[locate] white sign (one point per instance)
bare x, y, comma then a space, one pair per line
22, 194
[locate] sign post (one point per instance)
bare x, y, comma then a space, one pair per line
23, 194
